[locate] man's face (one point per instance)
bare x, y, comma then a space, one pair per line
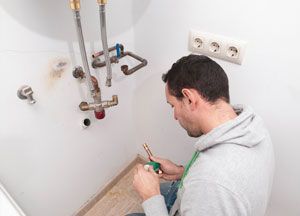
183, 114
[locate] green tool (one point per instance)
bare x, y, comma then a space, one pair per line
155, 165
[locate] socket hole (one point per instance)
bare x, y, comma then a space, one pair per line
198, 42
214, 47
87, 122
233, 52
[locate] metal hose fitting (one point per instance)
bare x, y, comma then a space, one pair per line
102, 1
75, 4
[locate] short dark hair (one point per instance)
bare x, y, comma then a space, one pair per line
200, 73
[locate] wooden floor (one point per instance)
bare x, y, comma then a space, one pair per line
120, 200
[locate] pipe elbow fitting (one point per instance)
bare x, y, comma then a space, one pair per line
115, 100
84, 106
144, 62
124, 69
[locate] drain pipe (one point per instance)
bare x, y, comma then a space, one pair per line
75, 6
102, 4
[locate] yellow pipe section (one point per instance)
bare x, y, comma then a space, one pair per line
75, 5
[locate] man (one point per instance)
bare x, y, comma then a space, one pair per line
231, 170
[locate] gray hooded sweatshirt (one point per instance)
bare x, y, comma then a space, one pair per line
232, 175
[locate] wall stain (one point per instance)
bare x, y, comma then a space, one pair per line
56, 68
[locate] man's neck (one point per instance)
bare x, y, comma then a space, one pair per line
218, 114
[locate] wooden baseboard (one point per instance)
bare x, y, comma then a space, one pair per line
99, 195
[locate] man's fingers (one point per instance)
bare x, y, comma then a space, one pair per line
156, 159
146, 167
168, 177
152, 170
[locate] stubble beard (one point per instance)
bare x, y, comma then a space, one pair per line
194, 134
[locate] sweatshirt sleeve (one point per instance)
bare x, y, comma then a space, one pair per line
155, 206
204, 198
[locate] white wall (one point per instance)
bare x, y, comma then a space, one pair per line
268, 80
47, 162
51, 166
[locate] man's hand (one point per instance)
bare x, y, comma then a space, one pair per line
146, 183
170, 170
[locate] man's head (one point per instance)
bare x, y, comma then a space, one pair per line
195, 84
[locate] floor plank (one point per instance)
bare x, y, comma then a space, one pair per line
120, 200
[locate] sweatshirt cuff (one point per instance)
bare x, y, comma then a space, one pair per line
155, 206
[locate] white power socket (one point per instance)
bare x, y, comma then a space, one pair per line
217, 46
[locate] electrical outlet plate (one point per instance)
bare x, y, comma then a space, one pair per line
217, 46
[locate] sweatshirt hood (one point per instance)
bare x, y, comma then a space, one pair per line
245, 130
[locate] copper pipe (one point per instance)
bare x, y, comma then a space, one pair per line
124, 68
95, 84
147, 149
97, 95
79, 73
84, 106
114, 59
97, 63
110, 49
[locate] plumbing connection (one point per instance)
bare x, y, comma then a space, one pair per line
97, 63
25, 92
75, 6
102, 4
98, 105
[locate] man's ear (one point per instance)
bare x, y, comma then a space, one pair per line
190, 97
